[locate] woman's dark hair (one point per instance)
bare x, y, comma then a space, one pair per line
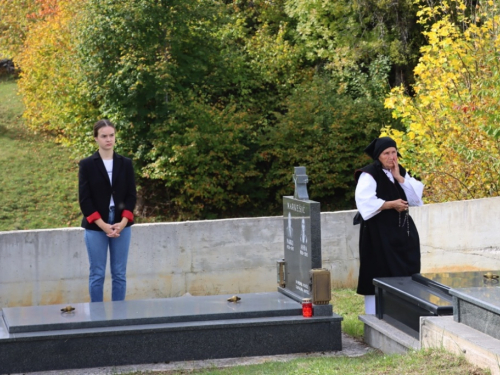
101, 124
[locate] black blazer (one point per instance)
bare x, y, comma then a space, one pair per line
95, 189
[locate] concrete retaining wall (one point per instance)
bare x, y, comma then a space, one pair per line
50, 266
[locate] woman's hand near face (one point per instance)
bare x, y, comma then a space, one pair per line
395, 171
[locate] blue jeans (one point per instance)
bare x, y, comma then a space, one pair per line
97, 247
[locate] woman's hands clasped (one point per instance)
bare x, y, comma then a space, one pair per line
400, 205
115, 229
111, 230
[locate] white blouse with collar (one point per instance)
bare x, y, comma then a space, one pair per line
369, 204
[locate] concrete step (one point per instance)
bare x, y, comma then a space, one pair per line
478, 348
381, 335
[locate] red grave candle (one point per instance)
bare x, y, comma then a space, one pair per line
307, 308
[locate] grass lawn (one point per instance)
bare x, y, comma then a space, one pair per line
38, 179
349, 306
425, 362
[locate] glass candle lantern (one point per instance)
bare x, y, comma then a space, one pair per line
281, 273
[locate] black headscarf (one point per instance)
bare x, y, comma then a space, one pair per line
375, 148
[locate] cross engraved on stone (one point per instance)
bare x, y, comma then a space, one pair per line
301, 180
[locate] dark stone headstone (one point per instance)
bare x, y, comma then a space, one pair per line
302, 234
301, 225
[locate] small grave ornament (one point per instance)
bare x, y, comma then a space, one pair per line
301, 180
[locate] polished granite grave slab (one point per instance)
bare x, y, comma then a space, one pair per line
478, 308
451, 280
151, 311
401, 301
112, 344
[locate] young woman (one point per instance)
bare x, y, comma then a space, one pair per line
107, 197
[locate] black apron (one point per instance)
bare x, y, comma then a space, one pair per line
388, 242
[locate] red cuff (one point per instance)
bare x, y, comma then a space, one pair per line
129, 215
95, 216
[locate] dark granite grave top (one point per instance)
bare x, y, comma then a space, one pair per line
487, 298
414, 292
5, 336
151, 311
453, 280
151, 343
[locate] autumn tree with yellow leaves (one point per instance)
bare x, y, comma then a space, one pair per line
52, 86
452, 121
